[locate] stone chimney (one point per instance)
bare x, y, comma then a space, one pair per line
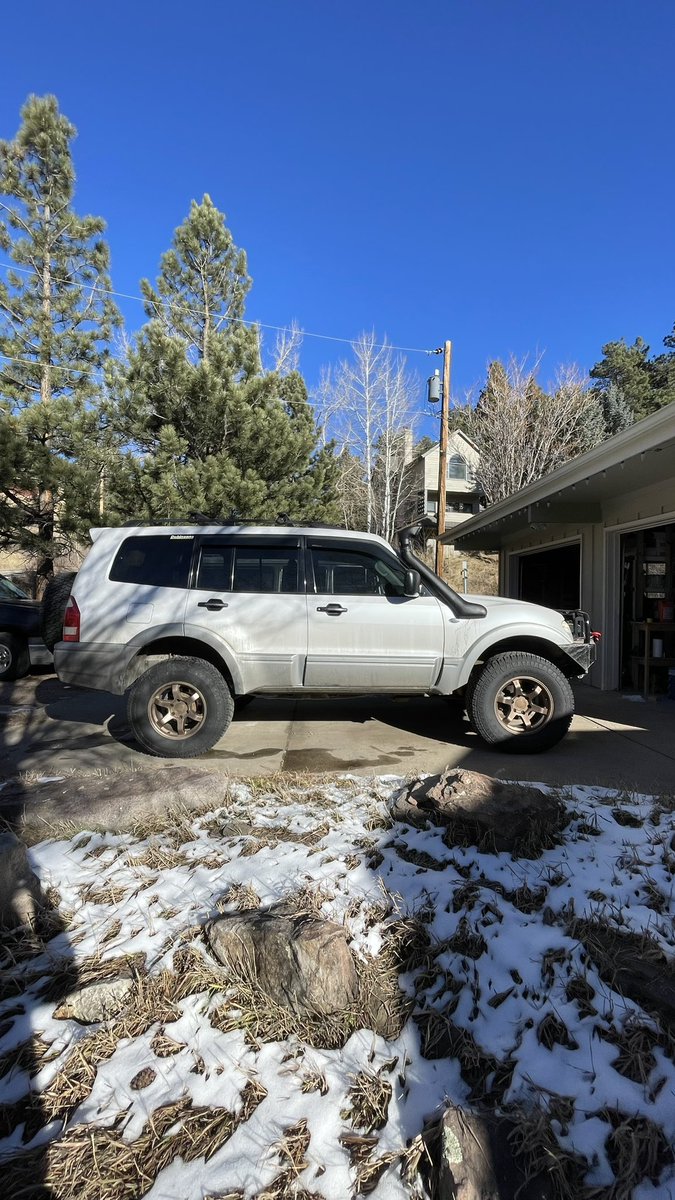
407, 446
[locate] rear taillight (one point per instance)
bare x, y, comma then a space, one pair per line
71, 621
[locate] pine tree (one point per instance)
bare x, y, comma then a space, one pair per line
210, 430
663, 370
55, 322
627, 368
617, 413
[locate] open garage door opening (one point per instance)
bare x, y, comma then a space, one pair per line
648, 611
551, 577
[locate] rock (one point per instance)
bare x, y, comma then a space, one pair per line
21, 896
116, 803
476, 1162
303, 963
505, 815
96, 1002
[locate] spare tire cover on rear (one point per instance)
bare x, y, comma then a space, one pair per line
54, 606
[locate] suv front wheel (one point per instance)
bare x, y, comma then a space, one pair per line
521, 703
179, 708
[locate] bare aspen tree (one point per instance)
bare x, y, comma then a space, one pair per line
366, 406
287, 348
523, 432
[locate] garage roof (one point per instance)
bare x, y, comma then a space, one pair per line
641, 455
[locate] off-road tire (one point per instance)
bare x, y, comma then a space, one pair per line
516, 688
14, 657
54, 606
171, 686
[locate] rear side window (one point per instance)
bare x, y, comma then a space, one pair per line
158, 561
248, 568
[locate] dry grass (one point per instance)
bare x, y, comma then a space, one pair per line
636, 1044
250, 1009
155, 1001
368, 1098
269, 836
164, 1046
552, 1031
113, 931
367, 1168
241, 896
292, 1147
27, 1056
483, 571
98, 1164
637, 1150
305, 901
108, 893
539, 1153
466, 941
159, 858
313, 1080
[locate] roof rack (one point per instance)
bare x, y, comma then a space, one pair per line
233, 518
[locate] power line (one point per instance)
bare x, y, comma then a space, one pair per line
35, 362
327, 337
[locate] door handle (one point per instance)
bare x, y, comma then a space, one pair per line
213, 605
333, 610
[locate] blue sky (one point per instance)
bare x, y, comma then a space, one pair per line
499, 172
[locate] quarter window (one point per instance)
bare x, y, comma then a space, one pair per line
156, 560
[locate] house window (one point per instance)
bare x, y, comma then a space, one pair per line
456, 467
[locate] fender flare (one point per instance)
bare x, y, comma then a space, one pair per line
145, 639
495, 637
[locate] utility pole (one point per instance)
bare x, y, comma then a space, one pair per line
443, 455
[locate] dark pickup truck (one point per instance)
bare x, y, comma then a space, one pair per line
20, 643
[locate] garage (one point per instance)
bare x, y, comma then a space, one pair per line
599, 533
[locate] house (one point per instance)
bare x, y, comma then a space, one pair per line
462, 497
599, 533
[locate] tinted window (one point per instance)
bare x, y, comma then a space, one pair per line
265, 569
340, 572
161, 561
215, 568
248, 568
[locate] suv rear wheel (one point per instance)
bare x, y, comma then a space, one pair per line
521, 703
179, 708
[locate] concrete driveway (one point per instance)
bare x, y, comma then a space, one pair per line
48, 729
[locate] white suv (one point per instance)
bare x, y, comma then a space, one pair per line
191, 618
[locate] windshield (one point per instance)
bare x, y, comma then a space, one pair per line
9, 590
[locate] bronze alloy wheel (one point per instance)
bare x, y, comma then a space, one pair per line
523, 705
177, 710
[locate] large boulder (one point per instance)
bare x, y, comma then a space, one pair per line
497, 814
301, 962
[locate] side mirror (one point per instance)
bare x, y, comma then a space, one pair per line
411, 586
